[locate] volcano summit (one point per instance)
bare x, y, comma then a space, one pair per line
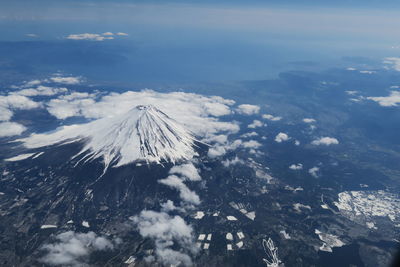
144, 133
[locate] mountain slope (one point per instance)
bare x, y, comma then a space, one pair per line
142, 134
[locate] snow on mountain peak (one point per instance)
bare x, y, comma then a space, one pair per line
144, 133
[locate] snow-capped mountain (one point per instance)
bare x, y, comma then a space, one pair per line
142, 134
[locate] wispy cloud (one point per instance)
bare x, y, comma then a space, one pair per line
89, 37
393, 62
96, 36
314, 172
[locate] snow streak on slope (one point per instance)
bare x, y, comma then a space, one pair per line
142, 134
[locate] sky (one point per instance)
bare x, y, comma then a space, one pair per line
188, 40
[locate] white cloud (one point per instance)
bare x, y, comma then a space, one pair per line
221, 149
184, 192
394, 62
199, 113
271, 117
351, 92
66, 80
167, 231
251, 144
18, 102
219, 139
33, 35
62, 109
10, 102
367, 71
314, 172
255, 124
170, 206
5, 114
231, 162
32, 83
327, 141
308, 120
281, 137
187, 170
298, 207
251, 134
89, 37
387, 101
298, 166
71, 248
248, 109
11, 129
41, 90
216, 151
95, 36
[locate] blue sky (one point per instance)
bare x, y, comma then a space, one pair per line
247, 40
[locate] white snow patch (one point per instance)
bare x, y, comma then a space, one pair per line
209, 236
251, 215
231, 218
38, 155
48, 226
130, 260
325, 206
371, 225
240, 235
329, 241
285, 235
299, 207
365, 205
20, 157
199, 215
229, 236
